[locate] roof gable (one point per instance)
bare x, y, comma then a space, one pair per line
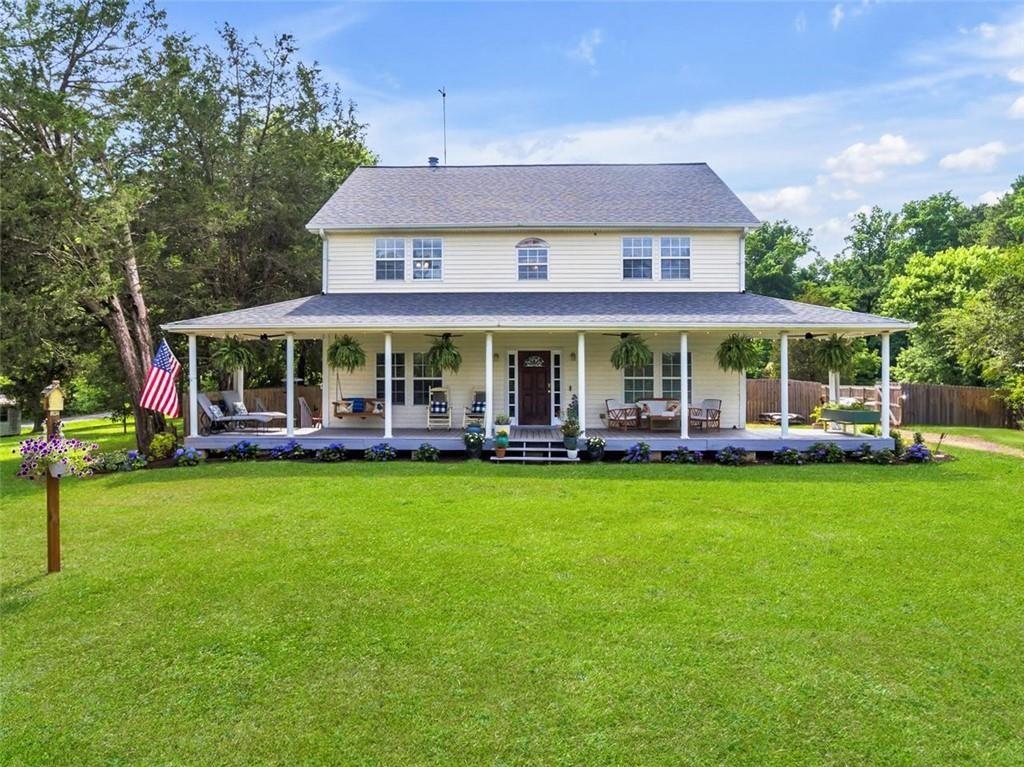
533, 196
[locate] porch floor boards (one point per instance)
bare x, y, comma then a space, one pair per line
409, 439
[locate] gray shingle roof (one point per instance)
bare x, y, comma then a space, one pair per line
533, 196
537, 310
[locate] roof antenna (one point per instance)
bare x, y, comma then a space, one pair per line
444, 121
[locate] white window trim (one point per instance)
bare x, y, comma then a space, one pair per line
412, 255
405, 258
622, 258
547, 258
688, 259
655, 367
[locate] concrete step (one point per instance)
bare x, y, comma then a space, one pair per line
534, 459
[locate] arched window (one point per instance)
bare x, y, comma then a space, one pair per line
532, 259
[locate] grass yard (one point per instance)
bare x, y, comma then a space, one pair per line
464, 613
1006, 437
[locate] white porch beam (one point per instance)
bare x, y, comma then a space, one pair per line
489, 385
684, 394
289, 383
325, 380
886, 406
581, 379
388, 374
784, 383
193, 388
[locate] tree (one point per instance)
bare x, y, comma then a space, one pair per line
62, 66
772, 253
859, 273
1003, 223
929, 286
936, 223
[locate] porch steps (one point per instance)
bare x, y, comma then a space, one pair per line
535, 451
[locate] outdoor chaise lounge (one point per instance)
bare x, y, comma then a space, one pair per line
217, 419
237, 407
707, 416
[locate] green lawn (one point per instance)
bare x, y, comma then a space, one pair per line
463, 613
1007, 437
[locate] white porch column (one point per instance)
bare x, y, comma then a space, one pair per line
784, 382
388, 374
325, 380
581, 379
289, 384
833, 386
886, 405
489, 385
240, 382
684, 394
193, 389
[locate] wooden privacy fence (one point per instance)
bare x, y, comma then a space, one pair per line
937, 404
763, 396
953, 405
273, 398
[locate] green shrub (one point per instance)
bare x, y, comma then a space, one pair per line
119, 460
243, 450
162, 446
333, 453
428, 453
825, 452
380, 453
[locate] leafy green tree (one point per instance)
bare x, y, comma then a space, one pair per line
936, 223
859, 273
773, 251
1003, 223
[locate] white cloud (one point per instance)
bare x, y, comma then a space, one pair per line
982, 157
1017, 108
845, 194
991, 198
788, 199
586, 48
836, 16
995, 41
866, 163
800, 23
1016, 75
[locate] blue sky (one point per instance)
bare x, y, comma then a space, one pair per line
810, 111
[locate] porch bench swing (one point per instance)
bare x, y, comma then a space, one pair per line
359, 407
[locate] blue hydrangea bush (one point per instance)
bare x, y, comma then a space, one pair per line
682, 455
638, 453
427, 453
788, 456
380, 453
730, 456
188, 456
825, 452
289, 451
243, 450
333, 453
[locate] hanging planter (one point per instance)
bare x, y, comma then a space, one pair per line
631, 352
834, 353
346, 353
230, 354
736, 353
443, 355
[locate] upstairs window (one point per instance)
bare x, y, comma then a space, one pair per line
390, 259
426, 259
532, 259
675, 258
637, 258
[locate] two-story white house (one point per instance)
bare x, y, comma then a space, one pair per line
536, 271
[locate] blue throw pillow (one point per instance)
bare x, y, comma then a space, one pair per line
479, 407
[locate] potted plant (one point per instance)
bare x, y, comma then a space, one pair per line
500, 443
56, 456
474, 443
595, 448
502, 424
571, 436
443, 355
631, 352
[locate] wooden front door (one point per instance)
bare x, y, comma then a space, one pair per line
534, 388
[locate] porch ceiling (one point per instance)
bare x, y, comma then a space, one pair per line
614, 311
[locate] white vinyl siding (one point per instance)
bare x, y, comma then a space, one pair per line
577, 261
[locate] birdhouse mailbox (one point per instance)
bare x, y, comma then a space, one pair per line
53, 398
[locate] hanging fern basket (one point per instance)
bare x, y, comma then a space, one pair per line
834, 353
443, 355
736, 353
346, 353
631, 352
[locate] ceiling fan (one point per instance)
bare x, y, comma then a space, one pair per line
445, 336
621, 336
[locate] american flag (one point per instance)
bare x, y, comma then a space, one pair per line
160, 393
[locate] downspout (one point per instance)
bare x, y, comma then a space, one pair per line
323, 261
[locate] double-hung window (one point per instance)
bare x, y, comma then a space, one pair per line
675, 258
637, 258
532, 259
671, 376
390, 258
397, 377
426, 258
424, 378
638, 383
